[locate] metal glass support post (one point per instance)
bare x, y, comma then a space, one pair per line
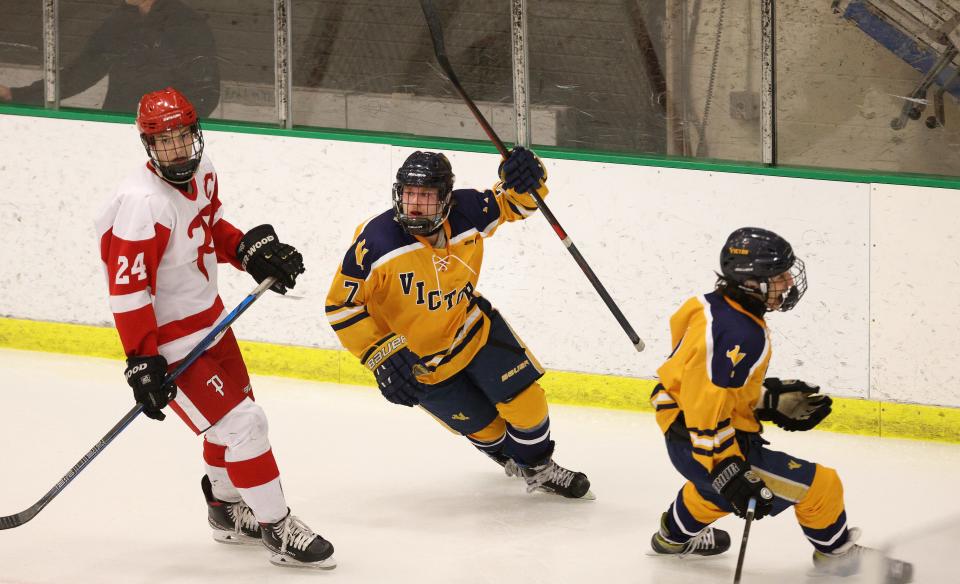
283, 75
51, 54
768, 81
673, 44
521, 70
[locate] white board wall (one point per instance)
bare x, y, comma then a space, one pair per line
873, 323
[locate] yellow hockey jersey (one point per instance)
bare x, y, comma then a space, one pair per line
714, 375
392, 282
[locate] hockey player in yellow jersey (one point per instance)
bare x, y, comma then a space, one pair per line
404, 301
712, 397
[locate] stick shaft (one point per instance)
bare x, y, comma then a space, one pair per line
436, 33
751, 510
18, 519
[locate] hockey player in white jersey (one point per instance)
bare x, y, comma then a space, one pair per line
161, 237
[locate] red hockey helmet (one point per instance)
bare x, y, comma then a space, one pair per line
164, 110
159, 116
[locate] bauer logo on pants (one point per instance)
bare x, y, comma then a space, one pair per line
515, 370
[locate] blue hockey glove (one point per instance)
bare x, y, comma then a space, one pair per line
392, 364
522, 171
736, 482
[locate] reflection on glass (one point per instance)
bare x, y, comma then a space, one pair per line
111, 56
617, 75
372, 67
21, 47
245, 50
861, 85
597, 75
711, 56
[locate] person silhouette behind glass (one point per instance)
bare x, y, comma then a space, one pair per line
142, 45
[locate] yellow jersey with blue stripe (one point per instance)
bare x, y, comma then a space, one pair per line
392, 282
714, 375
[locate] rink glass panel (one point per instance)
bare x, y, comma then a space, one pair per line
597, 75
21, 44
627, 76
370, 65
218, 53
680, 78
844, 77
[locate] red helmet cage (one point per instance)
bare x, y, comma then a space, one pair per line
164, 110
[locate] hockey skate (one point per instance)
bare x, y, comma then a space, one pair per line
708, 542
232, 523
550, 477
850, 559
510, 467
295, 545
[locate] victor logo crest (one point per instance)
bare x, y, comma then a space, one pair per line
361, 251
735, 355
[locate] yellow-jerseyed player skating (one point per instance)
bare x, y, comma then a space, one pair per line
404, 301
710, 400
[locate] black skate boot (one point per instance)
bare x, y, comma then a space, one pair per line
708, 542
553, 478
850, 559
510, 467
232, 523
294, 545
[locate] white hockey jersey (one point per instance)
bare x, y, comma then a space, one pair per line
160, 246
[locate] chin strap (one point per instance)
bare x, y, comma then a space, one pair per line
748, 298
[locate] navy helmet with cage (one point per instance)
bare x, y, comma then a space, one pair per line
424, 169
752, 256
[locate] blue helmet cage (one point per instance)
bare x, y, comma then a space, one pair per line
752, 253
426, 169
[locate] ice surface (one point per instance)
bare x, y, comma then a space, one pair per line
405, 501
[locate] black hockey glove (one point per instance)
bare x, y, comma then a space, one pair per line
522, 171
262, 256
392, 364
145, 375
793, 404
737, 483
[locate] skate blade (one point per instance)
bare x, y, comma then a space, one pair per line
687, 558
588, 496
287, 562
233, 538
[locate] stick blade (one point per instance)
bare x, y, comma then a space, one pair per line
433, 23
11, 521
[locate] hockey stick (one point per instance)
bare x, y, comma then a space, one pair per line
436, 33
18, 519
751, 509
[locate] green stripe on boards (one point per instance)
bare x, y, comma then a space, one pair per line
462, 145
